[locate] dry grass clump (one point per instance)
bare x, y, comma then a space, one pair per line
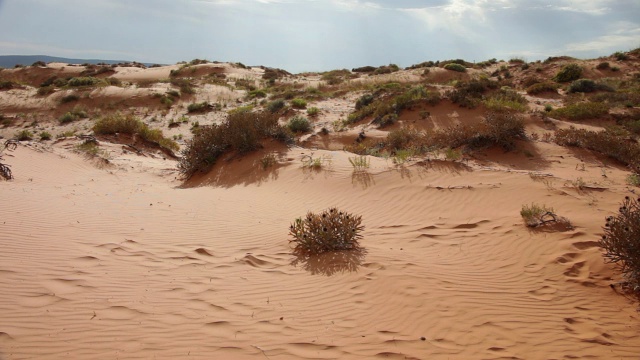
501, 129
242, 132
131, 125
621, 241
331, 230
78, 112
607, 142
386, 104
542, 87
506, 100
535, 215
5, 169
581, 111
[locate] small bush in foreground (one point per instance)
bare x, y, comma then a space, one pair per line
299, 124
568, 73
313, 111
331, 230
536, 215
276, 106
455, 67
621, 241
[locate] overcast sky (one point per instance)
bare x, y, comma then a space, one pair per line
315, 35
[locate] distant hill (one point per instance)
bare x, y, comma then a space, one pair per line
9, 61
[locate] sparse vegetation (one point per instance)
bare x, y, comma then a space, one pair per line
455, 67
633, 179
198, 107
331, 230
299, 103
568, 73
299, 124
581, 111
543, 87
313, 111
359, 163
535, 215
69, 98
24, 135
621, 242
506, 100
242, 132
45, 135
587, 85
76, 113
275, 106
5, 169
131, 125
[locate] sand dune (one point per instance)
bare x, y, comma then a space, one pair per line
122, 259
104, 264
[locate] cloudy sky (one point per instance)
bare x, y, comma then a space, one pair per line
315, 35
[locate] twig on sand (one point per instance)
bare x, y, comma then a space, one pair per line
263, 352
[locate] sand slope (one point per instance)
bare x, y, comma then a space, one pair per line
122, 262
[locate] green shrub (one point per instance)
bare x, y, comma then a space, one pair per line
299, 124
83, 81
581, 111
313, 111
568, 73
364, 100
46, 90
455, 67
620, 56
69, 98
299, 103
24, 135
45, 135
602, 66
198, 107
621, 242
331, 230
633, 179
257, 94
468, 93
242, 132
76, 113
587, 85
506, 100
275, 106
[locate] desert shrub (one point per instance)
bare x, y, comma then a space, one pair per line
299, 124
568, 73
331, 230
587, 85
602, 66
129, 124
621, 243
581, 111
364, 69
364, 100
257, 94
633, 179
46, 90
76, 113
506, 100
386, 120
606, 142
113, 81
7, 85
242, 132
198, 107
536, 215
24, 135
83, 81
387, 69
299, 103
313, 111
69, 98
186, 86
45, 135
275, 106
403, 138
39, 63
455, 67
468, 93
620, 56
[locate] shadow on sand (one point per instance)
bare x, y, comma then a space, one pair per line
330, 263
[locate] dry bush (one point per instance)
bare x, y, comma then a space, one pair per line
129, 124
242, 132
621, 241
605, 142
5, 169
331, 230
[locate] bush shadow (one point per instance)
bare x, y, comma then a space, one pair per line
330, 263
